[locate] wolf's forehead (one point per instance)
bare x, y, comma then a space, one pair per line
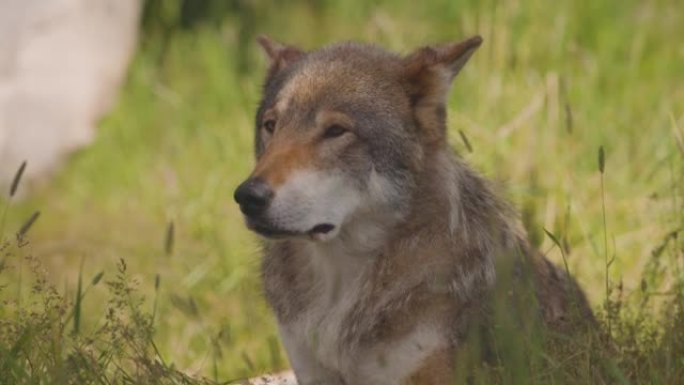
330, 82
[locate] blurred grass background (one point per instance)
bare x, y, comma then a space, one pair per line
552, 83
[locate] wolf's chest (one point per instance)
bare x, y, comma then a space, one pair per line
340, 285
335, 334
325, 326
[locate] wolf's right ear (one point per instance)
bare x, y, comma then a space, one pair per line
280, 55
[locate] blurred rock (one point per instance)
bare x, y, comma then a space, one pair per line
283, 378
61, 63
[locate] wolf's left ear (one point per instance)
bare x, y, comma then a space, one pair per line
427, 77
279, 55
430, 70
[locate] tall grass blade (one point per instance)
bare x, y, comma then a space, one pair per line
13, 189
21, 234
97, 278
601, 166
17, 178
678, 135
169, 239
274, 352
157, 282
248, 361
465, 140
79, 299
568, 118
558, 243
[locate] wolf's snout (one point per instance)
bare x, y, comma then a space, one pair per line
253, 196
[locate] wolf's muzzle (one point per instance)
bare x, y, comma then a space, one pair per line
253, 196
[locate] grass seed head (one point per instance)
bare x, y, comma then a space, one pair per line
21, 234
17, 179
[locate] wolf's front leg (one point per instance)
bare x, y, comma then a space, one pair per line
436, 369
422, 356
307, 368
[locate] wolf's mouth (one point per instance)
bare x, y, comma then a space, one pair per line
269, 231
323, 228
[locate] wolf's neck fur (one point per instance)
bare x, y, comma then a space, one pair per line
339, 263
456, 214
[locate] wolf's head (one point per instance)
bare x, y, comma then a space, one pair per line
341, 135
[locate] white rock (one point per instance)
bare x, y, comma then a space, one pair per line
283, 378
61, 63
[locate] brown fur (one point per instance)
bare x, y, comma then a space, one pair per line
278, 165
356, 307
437, 369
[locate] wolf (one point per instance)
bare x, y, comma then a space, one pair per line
380, 244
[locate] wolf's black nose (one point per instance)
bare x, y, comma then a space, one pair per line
253, 196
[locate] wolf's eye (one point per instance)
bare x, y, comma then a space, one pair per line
334, 131
269, 126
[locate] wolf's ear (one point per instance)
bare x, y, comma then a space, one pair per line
280, 55
428, 74
431, 69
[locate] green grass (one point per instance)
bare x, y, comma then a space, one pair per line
553, 82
